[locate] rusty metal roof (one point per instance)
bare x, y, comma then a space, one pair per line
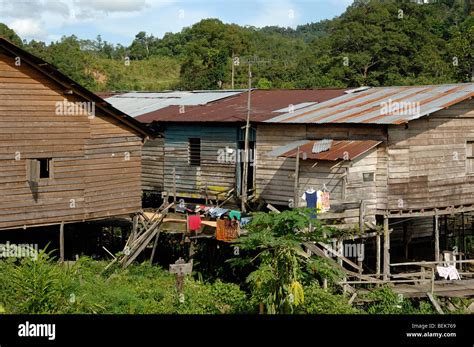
265, 104
382, 105
330, 149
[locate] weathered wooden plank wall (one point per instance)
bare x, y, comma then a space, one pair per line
192, 180
152, 165
275, 176
94, 177
427, 161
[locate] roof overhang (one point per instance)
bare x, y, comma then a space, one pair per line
326, 149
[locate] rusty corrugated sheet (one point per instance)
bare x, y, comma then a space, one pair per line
339, 150
265, 104
383, 105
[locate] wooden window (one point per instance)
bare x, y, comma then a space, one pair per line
37, 169
470, 157
194, 151
368, 176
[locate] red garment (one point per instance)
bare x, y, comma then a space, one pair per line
194, 222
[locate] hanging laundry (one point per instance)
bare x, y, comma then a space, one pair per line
194, 222
325, 205
448, 272
244, 221
227, 230
234, 214
311, 198
319, 200
217, 211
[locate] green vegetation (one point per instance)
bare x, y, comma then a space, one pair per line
283, 279
372, 43
44, 286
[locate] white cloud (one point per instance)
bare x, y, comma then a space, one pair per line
279, 12
28, 28
112, 5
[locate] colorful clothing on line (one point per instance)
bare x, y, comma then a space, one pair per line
245, 220
217, 211
227, 230
194, 222
234, 214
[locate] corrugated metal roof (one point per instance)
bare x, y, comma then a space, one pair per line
337, 150
139, 103
321, 146
234, 109
382, 105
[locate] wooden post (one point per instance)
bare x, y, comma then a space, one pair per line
297, 177
246, 146
361, 216
436, 231
386, 249
155, 244
446, 232
377, 254
340, 251
232, 72
463, 234
61, 242
134, 228
174, 187
405, 238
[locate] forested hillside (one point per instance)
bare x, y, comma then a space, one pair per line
372, 43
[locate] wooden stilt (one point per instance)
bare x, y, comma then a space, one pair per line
446, 241
463, 234
174, 187
154, 248
386, 249
297, 178
61, 242
435, 303
340, 251
405, 239
436, 231
377, 255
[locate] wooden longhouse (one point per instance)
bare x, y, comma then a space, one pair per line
66, 155
202, 143
392, 158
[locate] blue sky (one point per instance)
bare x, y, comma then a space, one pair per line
119, 20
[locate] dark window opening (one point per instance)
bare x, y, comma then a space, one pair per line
38, 169
45, 168
368, 176
194, 151
469, 157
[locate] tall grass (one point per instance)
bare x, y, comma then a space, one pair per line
46, 287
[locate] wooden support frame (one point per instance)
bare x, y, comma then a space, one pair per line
386, 249
378, 254
297, 178
61, 242
436, 236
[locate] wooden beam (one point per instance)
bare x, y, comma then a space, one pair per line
154, 248
297, 178
426, 263
61, 242
436, 236
386, 249
272, 208
361, 216
377, 255
450, 210
435, 303
339, 255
